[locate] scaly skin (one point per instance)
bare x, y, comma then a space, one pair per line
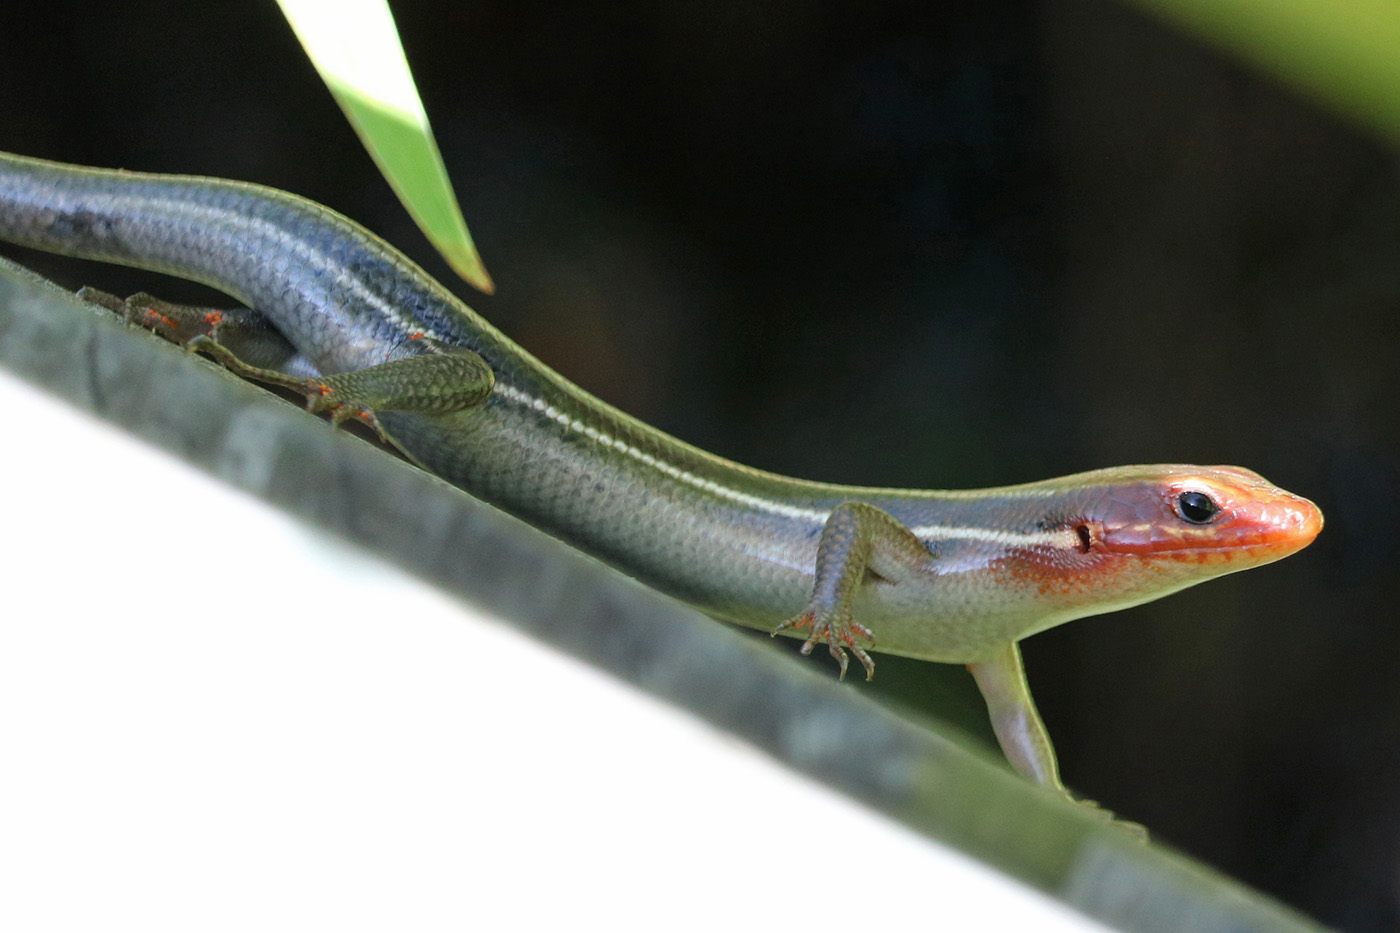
957, 576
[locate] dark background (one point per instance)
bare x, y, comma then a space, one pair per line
933, 245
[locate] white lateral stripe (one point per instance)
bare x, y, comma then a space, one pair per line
1062, 538
772, 506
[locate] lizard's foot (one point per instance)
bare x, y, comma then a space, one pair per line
322, 393
836, 629
1136, 830
248, 335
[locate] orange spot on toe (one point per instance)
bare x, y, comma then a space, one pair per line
153, 315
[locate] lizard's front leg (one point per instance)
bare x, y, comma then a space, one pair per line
1019, 730
1015, 720
858, 542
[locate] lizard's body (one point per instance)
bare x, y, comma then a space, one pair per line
947, 576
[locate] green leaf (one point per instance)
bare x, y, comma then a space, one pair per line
355, 47
1344, 52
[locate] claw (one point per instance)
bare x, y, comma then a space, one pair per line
839, 654
796, 622
835, 635
342, 412
866, 661
1136, 830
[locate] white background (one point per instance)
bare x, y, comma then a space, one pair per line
213, 717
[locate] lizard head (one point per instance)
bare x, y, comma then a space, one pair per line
1127, 535
1223, 517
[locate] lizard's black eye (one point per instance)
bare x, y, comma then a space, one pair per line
1196, 507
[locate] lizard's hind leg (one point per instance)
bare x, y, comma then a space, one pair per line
442, 379
246, 332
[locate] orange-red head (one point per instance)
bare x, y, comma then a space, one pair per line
1114, 538
1220, 515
